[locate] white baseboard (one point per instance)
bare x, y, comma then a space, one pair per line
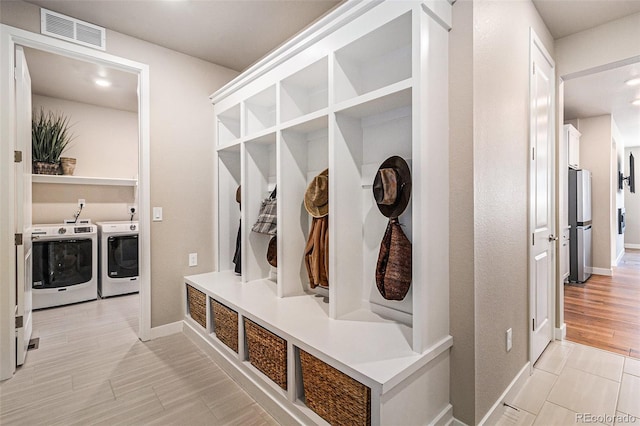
619, 258
445, 418
457, 422
632, 246
166, 330
493, 415
602, 271
561, 333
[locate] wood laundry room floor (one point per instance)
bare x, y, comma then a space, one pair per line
90, 368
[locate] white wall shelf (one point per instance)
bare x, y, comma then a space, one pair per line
371, 85
83, 180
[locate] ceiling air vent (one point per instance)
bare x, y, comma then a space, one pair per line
70, 29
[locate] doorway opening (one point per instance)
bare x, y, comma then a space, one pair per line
12, 285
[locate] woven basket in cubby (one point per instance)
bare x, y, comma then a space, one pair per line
225, 324
197, 305
334, 396
267, 352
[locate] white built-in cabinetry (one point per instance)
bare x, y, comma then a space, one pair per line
572, 136
366, 82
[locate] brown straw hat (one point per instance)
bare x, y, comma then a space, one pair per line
392, 186
316, 198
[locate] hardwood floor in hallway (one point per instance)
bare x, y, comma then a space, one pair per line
605, 311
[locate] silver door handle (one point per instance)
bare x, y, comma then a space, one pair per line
552, 238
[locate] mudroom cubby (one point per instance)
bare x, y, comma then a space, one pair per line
229, 125
376, 60
303, 155
365, 83
305, 92
229, 169
259, 180
260, 111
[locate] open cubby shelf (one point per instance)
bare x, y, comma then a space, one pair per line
344, 97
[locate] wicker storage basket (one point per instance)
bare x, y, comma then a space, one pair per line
333, 395
225, 324
197, 305
267, 352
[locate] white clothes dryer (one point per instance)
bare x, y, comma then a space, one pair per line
65, 264
119, 253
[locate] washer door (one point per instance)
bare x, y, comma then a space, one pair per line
61, 263
122, 256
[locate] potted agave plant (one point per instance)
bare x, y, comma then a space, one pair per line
50, 136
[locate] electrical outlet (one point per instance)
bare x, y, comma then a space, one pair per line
509, 339
132, 209
193, 259
81, 203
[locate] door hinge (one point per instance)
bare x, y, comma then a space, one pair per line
19, 322
533, 153
17, 156
533, 321
15, 73
534, 69
533, 239
18, 239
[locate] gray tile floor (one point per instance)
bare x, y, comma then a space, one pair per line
90, 368
573, 384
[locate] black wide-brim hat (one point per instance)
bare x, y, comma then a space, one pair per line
392, 186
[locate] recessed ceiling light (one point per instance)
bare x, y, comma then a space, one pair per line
633, 82
103, 83
636, 102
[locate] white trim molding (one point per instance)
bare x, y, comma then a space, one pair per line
9, 38
561, 333
632, 246
494, 413
602, 271
166, 330
618, 259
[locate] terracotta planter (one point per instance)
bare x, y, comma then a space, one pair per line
68, 165
42, 168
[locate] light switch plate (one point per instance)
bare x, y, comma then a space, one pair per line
193, 259
157, 214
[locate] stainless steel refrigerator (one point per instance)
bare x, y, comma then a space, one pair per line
580, 222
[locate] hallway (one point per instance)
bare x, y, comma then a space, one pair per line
605, 311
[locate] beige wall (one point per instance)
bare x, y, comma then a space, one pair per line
632, 201
105, 140
614, 41
461, 201
595, 156
501, 145
181, 148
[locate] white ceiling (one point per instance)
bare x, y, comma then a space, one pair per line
231, 33
71, 79
238, 33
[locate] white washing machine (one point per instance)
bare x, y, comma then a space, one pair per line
65, 264
118, 258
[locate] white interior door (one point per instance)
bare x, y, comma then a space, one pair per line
23, 207
541, 196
